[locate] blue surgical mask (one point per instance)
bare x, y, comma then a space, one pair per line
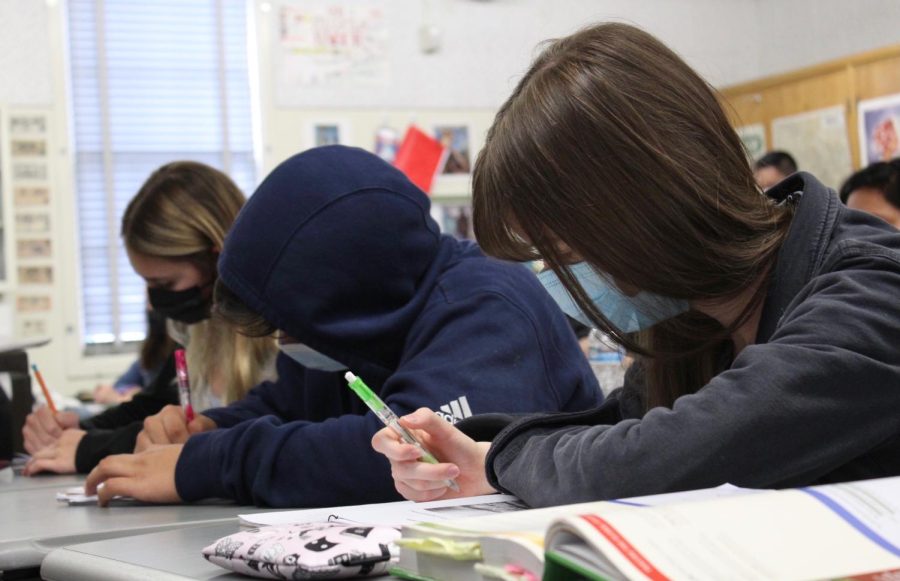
310, 358
629, 314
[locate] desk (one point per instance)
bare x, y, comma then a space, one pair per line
34, 523
10, 482
163, 556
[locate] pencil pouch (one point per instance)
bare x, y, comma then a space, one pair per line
306, 551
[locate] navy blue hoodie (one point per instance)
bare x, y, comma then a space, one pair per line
338, 249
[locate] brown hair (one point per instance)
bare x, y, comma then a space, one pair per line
613, 146
182, 212
157, 345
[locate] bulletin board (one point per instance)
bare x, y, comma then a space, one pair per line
772, 103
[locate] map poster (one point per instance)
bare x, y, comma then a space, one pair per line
754, 139
819, 142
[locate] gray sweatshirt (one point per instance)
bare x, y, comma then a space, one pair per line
816, 399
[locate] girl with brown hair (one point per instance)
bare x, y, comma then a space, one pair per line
764, 324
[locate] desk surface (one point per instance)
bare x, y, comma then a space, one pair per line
163, 556
11, 482
34, 523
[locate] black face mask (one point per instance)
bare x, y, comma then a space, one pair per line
188, 306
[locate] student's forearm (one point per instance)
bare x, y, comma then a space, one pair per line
742, 428
98, 444
298, 464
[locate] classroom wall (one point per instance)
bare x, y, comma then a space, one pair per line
800, 33
480, 67
486, 46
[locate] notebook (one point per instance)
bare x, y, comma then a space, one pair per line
840, 531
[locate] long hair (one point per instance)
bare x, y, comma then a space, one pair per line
182, 212
613, 146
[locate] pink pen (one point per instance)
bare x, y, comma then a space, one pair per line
184, 384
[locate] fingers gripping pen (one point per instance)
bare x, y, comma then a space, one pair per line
390, 419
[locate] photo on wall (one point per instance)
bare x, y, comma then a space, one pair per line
322, 132
23, 124
35, 275
879, 129
753, 137
33, 304
327, 135
455, 138
28, 148
454, 219
34, 248
31, 196
32, 327
29, 171
32, 223
387, 141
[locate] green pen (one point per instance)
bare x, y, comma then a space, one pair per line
390, 419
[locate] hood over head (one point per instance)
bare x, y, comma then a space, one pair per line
337, 248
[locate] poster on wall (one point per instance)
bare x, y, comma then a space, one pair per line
455, 139
386, 143
754, 139
32, 304
819, 142
32, 224
327, 132
879, 129
27, 124
454, 219
332, 45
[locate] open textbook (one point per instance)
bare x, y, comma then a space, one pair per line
842, 531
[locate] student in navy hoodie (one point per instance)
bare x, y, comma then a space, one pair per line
337, 250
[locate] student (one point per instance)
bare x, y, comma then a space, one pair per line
773, 167
173, 230
337, 250
876, 190
767, 351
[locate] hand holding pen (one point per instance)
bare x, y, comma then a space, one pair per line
463, 459
390, 419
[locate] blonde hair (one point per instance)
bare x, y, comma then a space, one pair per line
182, 213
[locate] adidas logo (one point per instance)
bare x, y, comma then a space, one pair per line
457, 409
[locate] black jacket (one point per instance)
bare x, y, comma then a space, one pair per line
816, 399
115, 430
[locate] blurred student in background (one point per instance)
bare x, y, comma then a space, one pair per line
773, 167
876, 190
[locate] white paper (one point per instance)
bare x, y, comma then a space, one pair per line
391, 513
75, 496
687, 496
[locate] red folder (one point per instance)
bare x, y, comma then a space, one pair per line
420, 157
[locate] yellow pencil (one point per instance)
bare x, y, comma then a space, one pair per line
46, 391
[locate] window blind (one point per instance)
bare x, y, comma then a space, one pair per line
151, 82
